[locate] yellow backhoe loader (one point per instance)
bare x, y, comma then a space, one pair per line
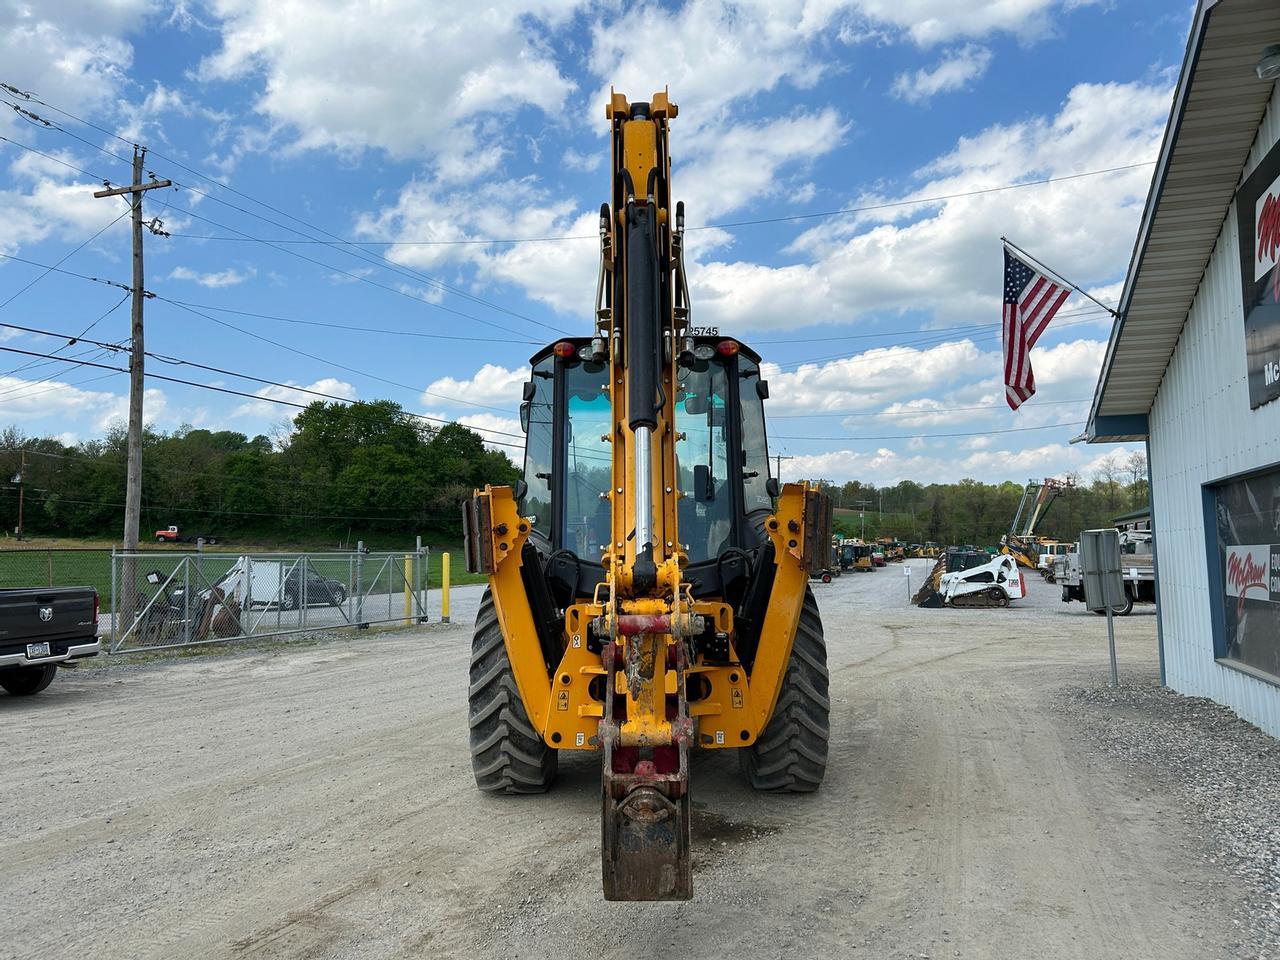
648, 580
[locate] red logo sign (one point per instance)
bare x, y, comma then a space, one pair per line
1245, 573
1268, 227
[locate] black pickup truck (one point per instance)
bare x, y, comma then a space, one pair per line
40, 628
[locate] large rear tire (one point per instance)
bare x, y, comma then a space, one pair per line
507, 755
791, 754
27, 681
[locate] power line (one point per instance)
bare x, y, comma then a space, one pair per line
343, 326
105, 462
932, 436
335, 241
275, 343
41, 153
1083, 311
731, 224
911, 413
153, 508
934, 341
334, 363
49, 270
355, 276
70, 273
71, 340
255, 396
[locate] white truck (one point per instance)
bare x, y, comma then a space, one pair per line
1138, 569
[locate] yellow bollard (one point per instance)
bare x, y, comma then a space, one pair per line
444, 588
408, 593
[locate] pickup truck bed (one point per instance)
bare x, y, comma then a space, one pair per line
42, 627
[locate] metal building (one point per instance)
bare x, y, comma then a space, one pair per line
1193, 363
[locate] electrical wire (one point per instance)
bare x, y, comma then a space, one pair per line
210, 510
735, 224
335, 363
264, 399
343, 326
932, 436
912, 413
49, 270
337, 242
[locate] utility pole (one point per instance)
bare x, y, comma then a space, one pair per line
862, 515
133, 479
22, 483
777, 471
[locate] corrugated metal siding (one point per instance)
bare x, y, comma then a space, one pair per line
1203, 430
1222, 109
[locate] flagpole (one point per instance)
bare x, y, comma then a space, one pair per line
1009, 243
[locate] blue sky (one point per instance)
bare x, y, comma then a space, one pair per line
409, 122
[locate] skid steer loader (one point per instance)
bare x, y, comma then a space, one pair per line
648, 580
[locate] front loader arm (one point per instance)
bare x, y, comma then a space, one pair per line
495, 537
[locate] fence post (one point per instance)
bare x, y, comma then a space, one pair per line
305, 563
444, 587
406, 572
360, 624
115, 610
186, 594
49, 562
424, 577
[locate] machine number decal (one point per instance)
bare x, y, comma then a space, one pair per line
737, 698
562, 701
579, 739
720, 738
704, 331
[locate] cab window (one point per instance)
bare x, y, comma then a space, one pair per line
705, 509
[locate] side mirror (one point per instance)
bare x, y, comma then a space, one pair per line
703, 487
529, 391
762, 389
524, 413
519, 489
771, 487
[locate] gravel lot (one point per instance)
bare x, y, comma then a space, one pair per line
987, 796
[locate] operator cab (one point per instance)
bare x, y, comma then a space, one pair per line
722, 459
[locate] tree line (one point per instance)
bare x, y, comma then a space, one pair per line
970, 512
367, 470
341, 472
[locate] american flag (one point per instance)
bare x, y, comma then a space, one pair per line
1030, 301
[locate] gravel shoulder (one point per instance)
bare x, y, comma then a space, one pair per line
316, 800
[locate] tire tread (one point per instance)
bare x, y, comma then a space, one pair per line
507, 754
790, 755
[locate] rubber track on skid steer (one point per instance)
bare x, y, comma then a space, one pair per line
791, 754
507, 755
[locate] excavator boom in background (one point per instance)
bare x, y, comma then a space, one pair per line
1021, 541
648, 579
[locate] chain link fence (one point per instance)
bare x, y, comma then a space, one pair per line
160, 599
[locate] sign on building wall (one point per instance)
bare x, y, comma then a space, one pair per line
1248, 517
1258, 216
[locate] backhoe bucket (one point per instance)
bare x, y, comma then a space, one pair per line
644, 850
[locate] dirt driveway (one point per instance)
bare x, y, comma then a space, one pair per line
317, 801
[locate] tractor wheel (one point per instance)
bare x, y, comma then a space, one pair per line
791, 754
27, 681
507, 755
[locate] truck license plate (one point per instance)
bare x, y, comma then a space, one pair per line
37, 650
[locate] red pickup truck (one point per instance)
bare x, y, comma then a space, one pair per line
171, 535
